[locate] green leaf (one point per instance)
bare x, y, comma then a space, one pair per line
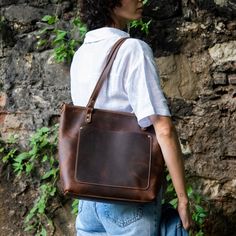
48, 174
46, 18
174, 202
197, 198
34, 150
44, 143
50, 19
53, 191
31, 214
200, 233
41, 205
43, 31
199, 208
190, 191
44, 130
43, 187
170, 188
5, 159
77, 22
43, 232
52, 160
29, 228
59, 36
75, 204
143, 25
168, 178
10, 155
202, 215
45, 158
17, 167
21, 157
29, 167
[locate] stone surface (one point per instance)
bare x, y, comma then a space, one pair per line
179, 80
224, 52
194, 43
3, 99
7, 2
221, 2
161, 10
232, 79
24, 14
220, 78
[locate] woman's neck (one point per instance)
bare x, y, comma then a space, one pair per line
119, 23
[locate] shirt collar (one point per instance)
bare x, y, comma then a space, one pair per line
104, 33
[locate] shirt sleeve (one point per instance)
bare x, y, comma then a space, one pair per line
143, 83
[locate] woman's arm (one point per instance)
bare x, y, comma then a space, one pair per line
167, 137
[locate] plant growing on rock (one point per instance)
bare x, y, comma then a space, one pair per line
37, 162
64, 42
8, 149
199, 214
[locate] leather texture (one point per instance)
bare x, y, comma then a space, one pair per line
105, 155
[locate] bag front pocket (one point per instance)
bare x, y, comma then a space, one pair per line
113, 158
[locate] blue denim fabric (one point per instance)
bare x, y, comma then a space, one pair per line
100, 219
170, 224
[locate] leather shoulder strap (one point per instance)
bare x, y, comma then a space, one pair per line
110, 59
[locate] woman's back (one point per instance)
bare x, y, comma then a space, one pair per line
132, 79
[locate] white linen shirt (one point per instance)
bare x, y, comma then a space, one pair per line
133, 84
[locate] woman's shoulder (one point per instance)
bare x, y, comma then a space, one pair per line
136, 45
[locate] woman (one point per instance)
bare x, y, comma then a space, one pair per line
133, 86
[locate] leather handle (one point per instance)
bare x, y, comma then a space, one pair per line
110, 59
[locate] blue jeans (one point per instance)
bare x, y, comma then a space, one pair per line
171, 224
100, 219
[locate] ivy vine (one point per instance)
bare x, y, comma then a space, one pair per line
39, 161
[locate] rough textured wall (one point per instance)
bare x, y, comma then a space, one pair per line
194, 42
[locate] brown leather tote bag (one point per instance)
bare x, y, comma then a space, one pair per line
105, 155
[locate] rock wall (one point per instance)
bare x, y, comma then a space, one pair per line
194, 43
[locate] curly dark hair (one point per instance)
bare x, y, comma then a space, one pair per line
97, 13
